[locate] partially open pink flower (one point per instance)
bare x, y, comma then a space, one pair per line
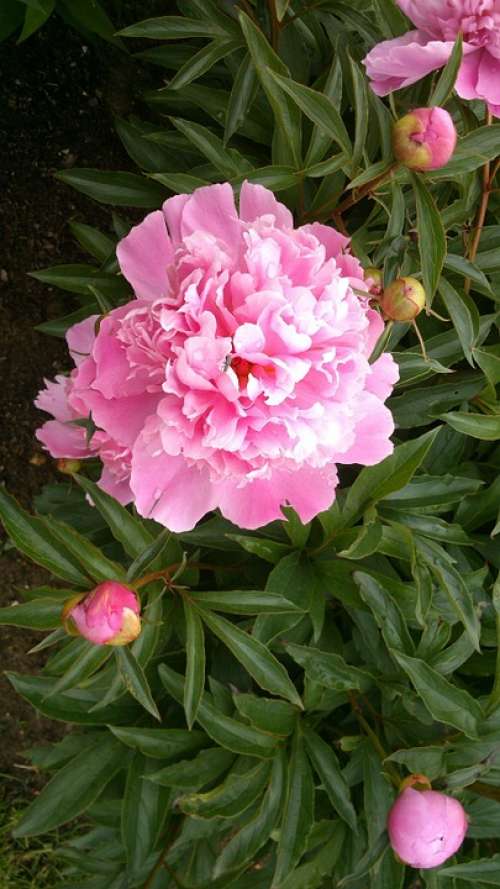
239, 376
109, 615
424, 139
404, 60
426, 827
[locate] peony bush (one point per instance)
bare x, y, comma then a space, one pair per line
272, 609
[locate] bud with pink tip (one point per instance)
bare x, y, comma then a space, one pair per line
426, 827
109, 615
424, 139
403, 300
374, 280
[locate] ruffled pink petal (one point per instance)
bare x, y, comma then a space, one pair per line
120, 490
384, 374
259, 501
168, 490
54, 398
374, 427
402, 61
211, 209
144, 255
488, 81
256, 201
332, 240
425, 14
466, 82
122, 418
172, 210
80, 338
64, 440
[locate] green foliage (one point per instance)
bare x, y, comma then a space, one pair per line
286, 678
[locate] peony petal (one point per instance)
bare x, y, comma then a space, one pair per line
80, 338
466, 82
374, 426
144, 255
488, 81
402, 61
384, 374
120, 490
122, 418
256, 201
168, 490
259, 501
332, 240
64, 440
211, 209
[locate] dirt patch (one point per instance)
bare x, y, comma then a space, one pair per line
56, 95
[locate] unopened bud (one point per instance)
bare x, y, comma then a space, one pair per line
424, 139
403, 300
426, 827
109, 615
374, 280
68, 466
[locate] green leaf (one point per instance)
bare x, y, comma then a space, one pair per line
75, 787
40, 614
160, 743
129, 531
445, 702
30, 535
81, 278
95, 242
318, 108
276, 717
365, 543
373, 855
144, 809
281, 7
376, 482
267, 671
205, 768
276, 177
243, 93
35, 18
135, 680
431, 237
426, 492
237, 792
245, 602
486, 427
485, 871
488, 359
90, 557
360, 105
173, 27
244, 846
210, 146
473, 150
320, 141
328, 669
75, 705
267, 63
203, 61
298, 813
91, 658
428, 761
195, 662
179, 183
454, 586
446, 83
464, 314
222, 729
386, 613
419, 407
269, 550
326, 764
120, 189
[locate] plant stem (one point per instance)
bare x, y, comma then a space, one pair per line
488, 177
275, 25
356, 196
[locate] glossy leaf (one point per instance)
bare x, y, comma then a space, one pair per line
195, 663
298, 812
135, 680
431, 237
326, 764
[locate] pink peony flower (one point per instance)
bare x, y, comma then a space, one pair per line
424, 139
396, 63
109, 615
239, 376
426, 827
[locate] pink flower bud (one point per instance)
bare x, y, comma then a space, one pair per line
426, 827
403, 300
424, 139
374, 280
109, 615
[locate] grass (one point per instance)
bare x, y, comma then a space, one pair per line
25, 863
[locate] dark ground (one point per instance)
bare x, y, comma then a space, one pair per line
57, 96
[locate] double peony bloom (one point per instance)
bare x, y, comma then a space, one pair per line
238, 376
397, 63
